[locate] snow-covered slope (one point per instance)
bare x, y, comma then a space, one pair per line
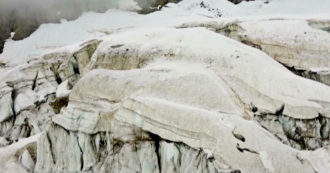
93, 25
196, 87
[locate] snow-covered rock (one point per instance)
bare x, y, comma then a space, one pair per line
227, 59
63, 89
302, 45
21, 149
129, 5
191, 93
178, 90
27, 161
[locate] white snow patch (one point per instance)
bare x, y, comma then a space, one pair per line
8, 151
62, 90
266, 161
12, 35
25, 100
27, 161
129, 5
5, 107
8, 161
209, 153
138, 120
3, 141
255, 8
170, 151
320, 159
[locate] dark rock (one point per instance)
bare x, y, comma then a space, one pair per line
149, 6
59, 103
239, 1
308, 134
320, 76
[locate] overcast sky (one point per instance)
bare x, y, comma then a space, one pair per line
24, 8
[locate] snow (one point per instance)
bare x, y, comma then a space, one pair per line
264, 74
91, 25
150, 32
266, 161
209, 153
258, 7
12, 35
62, 90
291, 42
27, 160
8, 162
25, 100
7, 155
3, 141
128, 5
95, 25
138, 120
8, 151
5, 108
320, 159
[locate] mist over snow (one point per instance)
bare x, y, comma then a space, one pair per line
52, 8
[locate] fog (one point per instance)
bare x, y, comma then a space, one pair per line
52, 9
23, 17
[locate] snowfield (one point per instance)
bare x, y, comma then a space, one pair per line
199, 86
95, 25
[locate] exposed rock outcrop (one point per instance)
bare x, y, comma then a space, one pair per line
301, 134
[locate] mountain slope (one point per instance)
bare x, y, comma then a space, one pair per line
199, 86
